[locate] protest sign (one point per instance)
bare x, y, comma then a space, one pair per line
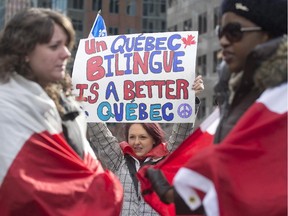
137, 77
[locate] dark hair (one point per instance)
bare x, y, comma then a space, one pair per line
21, 35
153, 129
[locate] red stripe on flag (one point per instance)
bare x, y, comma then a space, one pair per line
48, 178
249, 168
200, 139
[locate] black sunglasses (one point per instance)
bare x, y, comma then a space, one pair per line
234, 31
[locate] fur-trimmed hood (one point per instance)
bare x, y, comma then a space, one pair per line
266, 67
273, 70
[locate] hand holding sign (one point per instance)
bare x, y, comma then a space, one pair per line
198, 85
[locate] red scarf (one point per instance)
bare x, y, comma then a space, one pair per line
158, 151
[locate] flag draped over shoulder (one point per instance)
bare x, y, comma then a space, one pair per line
247, 173
200, 139
99, 28
40, 174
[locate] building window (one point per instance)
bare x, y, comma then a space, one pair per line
171, 3
216, 17
77, 24
96, 5
163, 26
151, 8
144, 23
202, 109
113, 31
154, 8
151, 26
114, 6
145, 10
202, 23
163, 7
172, 28
187, 25
201, 65
46, 4
130, 31
131, 7
78, 4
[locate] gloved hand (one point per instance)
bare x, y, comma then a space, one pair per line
159, 183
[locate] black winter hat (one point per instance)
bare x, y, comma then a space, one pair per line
271, 15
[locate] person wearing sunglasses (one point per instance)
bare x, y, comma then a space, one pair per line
246, 26
253, 37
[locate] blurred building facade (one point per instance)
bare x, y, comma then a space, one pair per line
201, 16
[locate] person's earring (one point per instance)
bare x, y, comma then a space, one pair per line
26, 59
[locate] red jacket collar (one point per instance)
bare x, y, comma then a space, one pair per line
156, 152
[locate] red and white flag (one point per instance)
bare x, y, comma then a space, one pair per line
40, 174
198, 140
247, 173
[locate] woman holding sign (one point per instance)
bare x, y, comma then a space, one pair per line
144, 144
47, 166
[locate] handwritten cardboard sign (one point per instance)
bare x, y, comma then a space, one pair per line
137, 77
